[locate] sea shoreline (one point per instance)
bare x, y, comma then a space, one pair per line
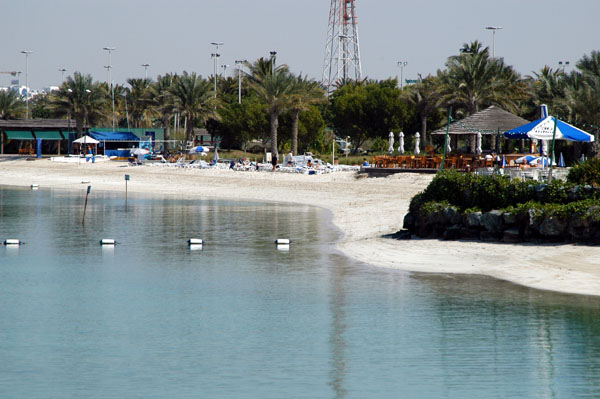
363, 209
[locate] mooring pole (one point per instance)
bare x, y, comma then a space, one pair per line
446, 139
126, 180
89, 189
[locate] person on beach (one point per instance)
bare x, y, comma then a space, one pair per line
274, 162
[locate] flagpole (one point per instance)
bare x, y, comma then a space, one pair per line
446, 139
552, 155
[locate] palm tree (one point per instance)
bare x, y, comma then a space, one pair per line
163, 101
274, 87
548, 86
193, 96
474, 80
425, 96
139, 100
306, 93
82, 99
11, 105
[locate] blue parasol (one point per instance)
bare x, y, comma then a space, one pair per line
561, 161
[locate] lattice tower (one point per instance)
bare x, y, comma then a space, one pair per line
342, 53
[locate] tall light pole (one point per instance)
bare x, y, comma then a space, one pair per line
402, 64
26, 52
112, 91
239, 64
145, 70
493, 29
273, 55
215, 57
564, 64
224, 66
62, 73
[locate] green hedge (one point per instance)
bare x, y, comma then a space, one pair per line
469, 191
587, 172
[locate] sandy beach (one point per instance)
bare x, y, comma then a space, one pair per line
363, 209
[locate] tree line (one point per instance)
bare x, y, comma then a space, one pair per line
290, 112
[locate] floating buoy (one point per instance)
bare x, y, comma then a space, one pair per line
196, 247
283, 247
282, 241
35, 186
108, 241
13, 241
195, 241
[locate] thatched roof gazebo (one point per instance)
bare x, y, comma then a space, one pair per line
491, 121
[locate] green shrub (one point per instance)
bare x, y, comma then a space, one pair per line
587, 172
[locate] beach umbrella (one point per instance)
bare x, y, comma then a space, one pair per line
417, 137
582, 158
544, 161
478, 150
198, 150
543, 129
140, 151
216, 156
401, 143
525, 159
503, 164
544, 148
448, 148
86, 140
391, 141
561, 161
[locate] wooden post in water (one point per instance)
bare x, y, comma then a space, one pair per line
89, 189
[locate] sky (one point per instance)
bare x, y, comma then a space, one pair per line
175, 35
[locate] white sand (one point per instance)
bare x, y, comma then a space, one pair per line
363, 209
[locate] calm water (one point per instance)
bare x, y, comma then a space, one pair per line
239, 319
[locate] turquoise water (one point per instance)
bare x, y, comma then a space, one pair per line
240, 319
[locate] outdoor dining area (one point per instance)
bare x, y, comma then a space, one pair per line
496, 126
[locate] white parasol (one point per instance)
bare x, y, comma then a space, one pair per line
401, 143
417, 137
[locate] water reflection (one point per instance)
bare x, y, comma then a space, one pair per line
154, 317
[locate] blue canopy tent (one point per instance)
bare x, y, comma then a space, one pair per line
543, 129
549, 128
112, 141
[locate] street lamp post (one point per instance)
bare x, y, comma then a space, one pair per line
145, 70
239, 64
273, 54
112, 91
402, 64
224, 66
26, 52
564, 64
62, 72
493, 29
215, 57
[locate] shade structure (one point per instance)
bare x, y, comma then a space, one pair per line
525, 159
417, 149
401, 143
391, 142
542, 129
561, 161
86, 140
478, 150
140, 151
198, 150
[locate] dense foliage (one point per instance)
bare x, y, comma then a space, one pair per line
484, 193
366, 111
587, 172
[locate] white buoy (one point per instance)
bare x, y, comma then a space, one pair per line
282, 241
283, 247
35, 186
196, 247
13, 241
108, 241
195, 241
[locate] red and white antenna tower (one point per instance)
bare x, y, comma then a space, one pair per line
342, 54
